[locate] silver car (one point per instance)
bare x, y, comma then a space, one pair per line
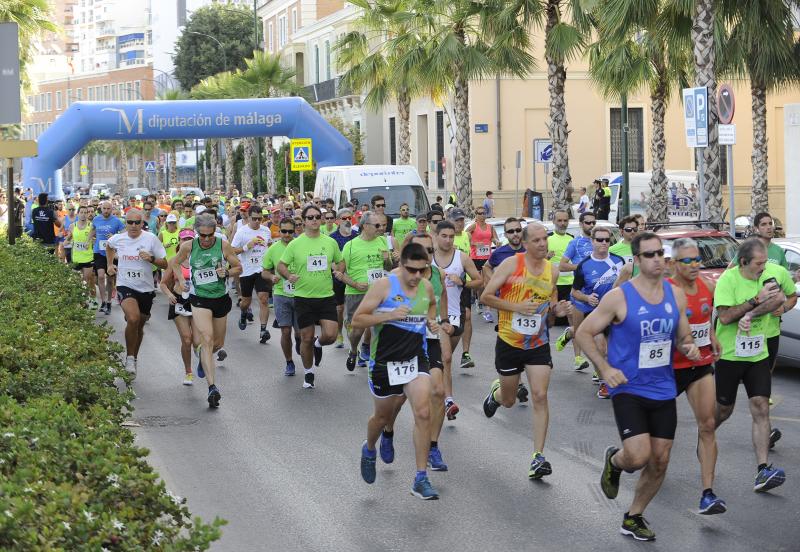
573, 228
789, 349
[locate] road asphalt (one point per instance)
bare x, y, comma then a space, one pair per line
281, 463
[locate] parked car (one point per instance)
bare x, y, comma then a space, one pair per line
99, 189
133, 192
789, 348
183, 191
717, 248
573, 228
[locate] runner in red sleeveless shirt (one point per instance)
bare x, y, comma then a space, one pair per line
697, 377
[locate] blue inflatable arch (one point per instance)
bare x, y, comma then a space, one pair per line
181, 119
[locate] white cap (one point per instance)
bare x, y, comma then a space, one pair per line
137, 197
172, 218
667, 251
200, 209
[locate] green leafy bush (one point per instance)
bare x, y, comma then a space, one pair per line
71, 478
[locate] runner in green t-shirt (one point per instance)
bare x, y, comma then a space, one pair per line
629, 227
461, 240
330, 226
764, 228
557, 244
307, 263
282, 292
745, 296
403, 225
366, 258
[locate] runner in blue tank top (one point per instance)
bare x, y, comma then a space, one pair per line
648, 321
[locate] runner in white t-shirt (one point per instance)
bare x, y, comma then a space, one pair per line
250, 244
137, 252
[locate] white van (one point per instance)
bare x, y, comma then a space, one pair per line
99, 189
398, 184
682, 191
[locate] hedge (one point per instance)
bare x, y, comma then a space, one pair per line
71, 476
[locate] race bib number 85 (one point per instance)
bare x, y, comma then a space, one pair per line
654, 354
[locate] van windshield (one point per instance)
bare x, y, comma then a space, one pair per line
395, 196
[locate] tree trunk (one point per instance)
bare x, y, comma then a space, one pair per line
759, 157
140, 173
229, 168
657, 203
704, 60
247, 170
271, 185
463, 174
404, 114
122, 170
173, 166
214, 178
90, 169
561, 179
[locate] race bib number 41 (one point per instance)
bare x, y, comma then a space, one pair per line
315, 263
526, 324
654, 354
400, 373
749, 345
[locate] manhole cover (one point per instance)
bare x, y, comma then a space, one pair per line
164, 421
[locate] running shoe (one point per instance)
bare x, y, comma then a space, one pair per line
539, 467
522, 393
264, 336
466, 361
350, 363
200, 372
367, 463
308, 380
188, 379
488, 317
636, 526
609, 480
423, 489
602, 391
595, 378
108, 308
213, 396
710, 504
340, 341
387, 448
435, 462
130, 365
490, 405
289, 371
250, 317
769, 478
102, 307
774, 436
317, 354
563, 339
243, 322
451, 410
580, 363
222, 354
363, 356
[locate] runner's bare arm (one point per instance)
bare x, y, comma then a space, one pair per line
625, 274
283, 270
366, 317
110, 254
565, 266
769, 298
433, 324
611, 308
684, 340
558, 308
174, 263
489, 297
235, 266
469, 267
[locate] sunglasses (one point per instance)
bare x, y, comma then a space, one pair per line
378, 225
479, 213
514, 231
345, 218
380, 205
629, 229
134, 222
256, 218
603, 240
436, 221
330, 218
206, 236
313, 217
690, 260
286, 231
414, 270
590, 222
651, 254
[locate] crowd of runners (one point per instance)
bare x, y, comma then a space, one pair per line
398, 293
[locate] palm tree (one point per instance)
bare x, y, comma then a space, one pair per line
761, 47
172, 145
636, 48
563, 42
119, 151
375, 65
208, 89
705, 75
456, 41
90, 150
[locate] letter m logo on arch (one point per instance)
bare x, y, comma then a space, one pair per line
138, 121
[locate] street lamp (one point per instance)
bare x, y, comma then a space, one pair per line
221, 47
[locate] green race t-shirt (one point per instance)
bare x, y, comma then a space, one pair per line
558, 245
402, 227
312, 259
270, 262
364, 261
462, 242
323, 229
775, 255
623, 250
734, 289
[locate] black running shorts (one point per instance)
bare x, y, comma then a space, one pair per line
219, 306
684, 377
637, 415
755, 376
143, 299
254, 281
310, 311
509, 361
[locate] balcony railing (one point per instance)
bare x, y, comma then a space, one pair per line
325, 90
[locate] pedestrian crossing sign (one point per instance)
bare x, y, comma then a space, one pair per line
301, 154
150, 166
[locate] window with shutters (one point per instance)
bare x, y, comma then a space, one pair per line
635, 139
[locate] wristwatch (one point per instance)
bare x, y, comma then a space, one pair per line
753, 302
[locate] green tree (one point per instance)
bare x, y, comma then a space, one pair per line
762, 48
90, 150
211, 88
454, 42
198, 57
119, 151
171, 146
643, 47
353, 134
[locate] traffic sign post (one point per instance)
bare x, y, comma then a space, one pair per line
542, 154
300, 154
726, 105
84, 170
150, 166
695, 117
